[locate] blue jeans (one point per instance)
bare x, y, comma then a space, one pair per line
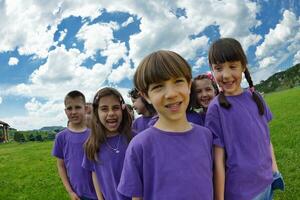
267, 194
277, 184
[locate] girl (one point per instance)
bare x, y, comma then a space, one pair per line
171, 159
243, 154
206, 89
105, 148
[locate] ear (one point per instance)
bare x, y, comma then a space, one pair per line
123, 106
145, 96
190, 86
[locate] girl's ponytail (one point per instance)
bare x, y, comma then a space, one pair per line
255, 96
222, 100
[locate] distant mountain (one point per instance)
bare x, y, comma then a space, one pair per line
280, 81
52, 128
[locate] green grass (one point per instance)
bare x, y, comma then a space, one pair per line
285, 135
28, 171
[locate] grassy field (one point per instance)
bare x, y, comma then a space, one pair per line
28, 171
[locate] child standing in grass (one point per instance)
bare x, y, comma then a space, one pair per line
105, 148
205, 90
171, 159
68, 148
243, 154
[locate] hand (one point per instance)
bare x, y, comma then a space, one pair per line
74, 196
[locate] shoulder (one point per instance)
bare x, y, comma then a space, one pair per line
62, 133
202, 130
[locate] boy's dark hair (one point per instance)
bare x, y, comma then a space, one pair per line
160, 66
75, 94
134, 93
228, 50
98, 134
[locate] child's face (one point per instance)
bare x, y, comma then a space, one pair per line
205, 92
110, 113
138, 105
75, 110
170, 98
229, 77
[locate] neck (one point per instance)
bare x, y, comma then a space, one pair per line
180, 125
77, 127
146, 114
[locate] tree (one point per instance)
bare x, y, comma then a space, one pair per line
51, 136
19, 137
31, 137
38, 138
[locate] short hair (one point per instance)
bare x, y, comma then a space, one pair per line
160, 66
134, 93
75, 94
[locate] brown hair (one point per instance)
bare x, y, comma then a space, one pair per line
75, 94
98, 133
160, 66
228, 50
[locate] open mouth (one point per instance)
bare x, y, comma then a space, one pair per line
112, 122
174, 106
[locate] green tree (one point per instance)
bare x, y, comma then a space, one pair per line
38, 138
19, 137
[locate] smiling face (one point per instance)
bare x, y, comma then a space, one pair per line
205, 92
170, 99
229, 77
110, 113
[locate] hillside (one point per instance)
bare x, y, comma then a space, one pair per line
52, 128
281, 80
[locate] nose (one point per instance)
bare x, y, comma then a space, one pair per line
170, 91
226, 74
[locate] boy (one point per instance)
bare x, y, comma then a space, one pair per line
68, 148
142, 108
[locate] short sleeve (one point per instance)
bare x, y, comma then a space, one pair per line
213, 123
131, 182
57, 150
88, 164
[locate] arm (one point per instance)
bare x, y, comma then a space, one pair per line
219, 173
137, 198
97, 186
64, 178
274, 163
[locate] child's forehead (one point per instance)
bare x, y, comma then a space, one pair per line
75, 100
109, 100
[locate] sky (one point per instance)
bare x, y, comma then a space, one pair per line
48, 48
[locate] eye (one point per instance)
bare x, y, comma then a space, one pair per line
104, 109
78, 107
68, 108
217, 68
180, 80
156, 87
116, 108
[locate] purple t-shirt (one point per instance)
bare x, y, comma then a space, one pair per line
191, 116
245, 137
109, 167
68, 146
169, 165
141, 123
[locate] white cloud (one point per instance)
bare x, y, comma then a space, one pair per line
297, 58
127, 22
13, 61
96, 37
123, 71
62, 35
199, 63
0, 100
266, 62
281, 36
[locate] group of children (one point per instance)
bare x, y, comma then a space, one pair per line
173, 151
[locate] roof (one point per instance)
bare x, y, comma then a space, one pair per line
3, 123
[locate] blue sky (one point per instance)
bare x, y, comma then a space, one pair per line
48, 48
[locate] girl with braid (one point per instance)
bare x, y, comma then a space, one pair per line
244, 159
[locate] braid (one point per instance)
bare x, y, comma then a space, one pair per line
255, 96
223, 101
